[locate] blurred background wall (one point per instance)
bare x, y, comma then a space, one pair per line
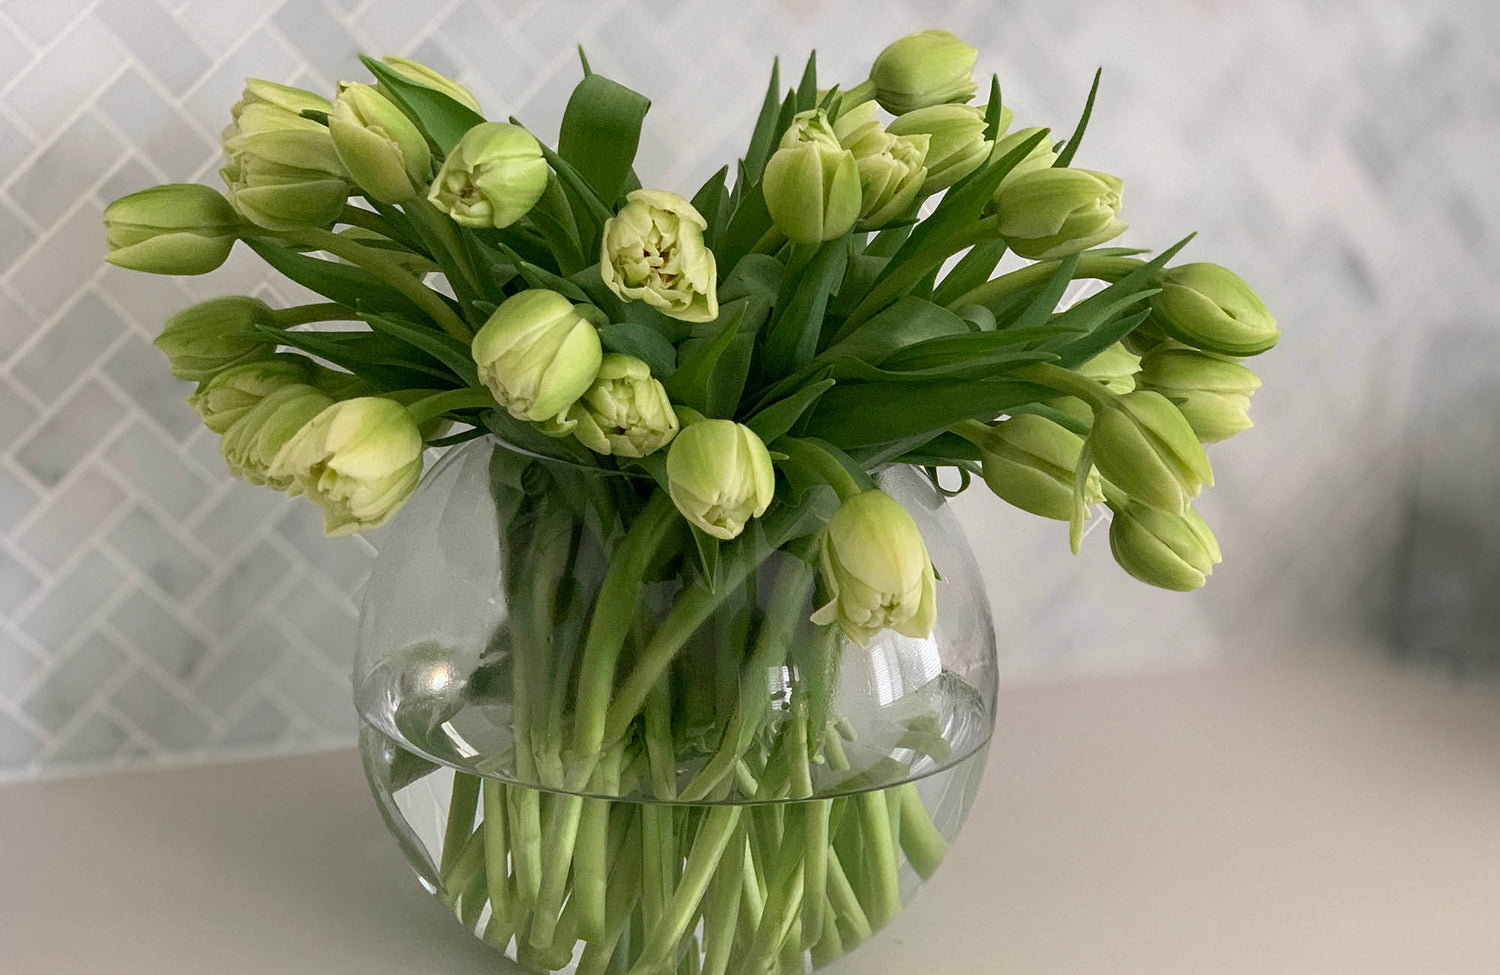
1341, 157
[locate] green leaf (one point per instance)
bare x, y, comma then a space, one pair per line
588, 209
763, 138
758, 276
988, 365
378, 359
446, 349
792, 339
710, 201
867, 414
643, 342
583, 59
443, 120
807, 88
1070, 148
1045, 303
1076, 353
778, 419
992, 111
691, 385
972, 270
908, 322
539, 277
600, 132
957, 347
335, 280
749, 223
943, 450
707, 547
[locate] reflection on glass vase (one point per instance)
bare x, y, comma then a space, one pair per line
609, 747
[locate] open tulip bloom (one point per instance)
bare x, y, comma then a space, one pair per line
745, 360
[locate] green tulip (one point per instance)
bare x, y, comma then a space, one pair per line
179, 228
1145, 446
213, 335
1212, 392
811, 182
930, 67
252, 442
1168, 551
538, 355
625, 412
1208, 307
281, 169
876, 570
492, 178
1115, 369
1054, 212
891, 168
386, 154
428, 78
719, 475
956, 145
1039, 158
1030, 463
232, 393
653, 251
358, 460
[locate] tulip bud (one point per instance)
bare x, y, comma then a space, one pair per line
626, 412
214, 335
1210, 308
1212, 392
282, 170
1142, 444
251, 443
1115, 369
492, 178
653, 251
891, 168
956, 145
428, 78
537, 355
719, 475
380, 147
1041, 156
1165, 550
358, 460
876, 570
179, 228
1055, 212
930, 67
811, 182
1030, 462
231, 394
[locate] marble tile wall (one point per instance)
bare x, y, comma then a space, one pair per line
1341, 156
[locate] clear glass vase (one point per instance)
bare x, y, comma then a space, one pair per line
611, 746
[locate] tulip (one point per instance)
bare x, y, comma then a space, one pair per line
719, 475
930, 67
1169, 551
653, 251
358, 460
1115, 369
891, 168
179, 228
1040, 157
537, 355
281, 169
1054, 212
1212, 392
231, 394
956, 145
1145, 446
386, 154
811, 182
428, 78
1208, 307
876, 570
1030, 462
213, 335
492, 178
625, 412
252, 442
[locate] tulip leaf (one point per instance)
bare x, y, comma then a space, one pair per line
1121, 294
693, 383
780, 417
707, 547
1077, 352
959, 346
335, 280
807, 88
583, 59
644, 343
944, 450
867, 414
972, 270
442, 119
982, 366
762, 139
1070, 148
586, 203
907, 322
746, 226
539, 277
600, 132
382, 361
757, 276
709, 201
1045, 302
992, 111
792, 340
451, 352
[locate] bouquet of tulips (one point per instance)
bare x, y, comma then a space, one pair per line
749, 359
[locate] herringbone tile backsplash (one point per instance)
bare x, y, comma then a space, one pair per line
1341, 156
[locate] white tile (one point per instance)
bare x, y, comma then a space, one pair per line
71, 517
65, 77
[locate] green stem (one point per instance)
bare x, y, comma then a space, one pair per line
367, 220
449, 400
446, 232
920, 840
1068, 382
724, 903
462, 803
323, 311
824, 464
856, 96
497, 853
880, 847
1099, 266
720, 824
390, 272
770, 241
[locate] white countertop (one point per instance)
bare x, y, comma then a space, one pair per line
1284, 818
